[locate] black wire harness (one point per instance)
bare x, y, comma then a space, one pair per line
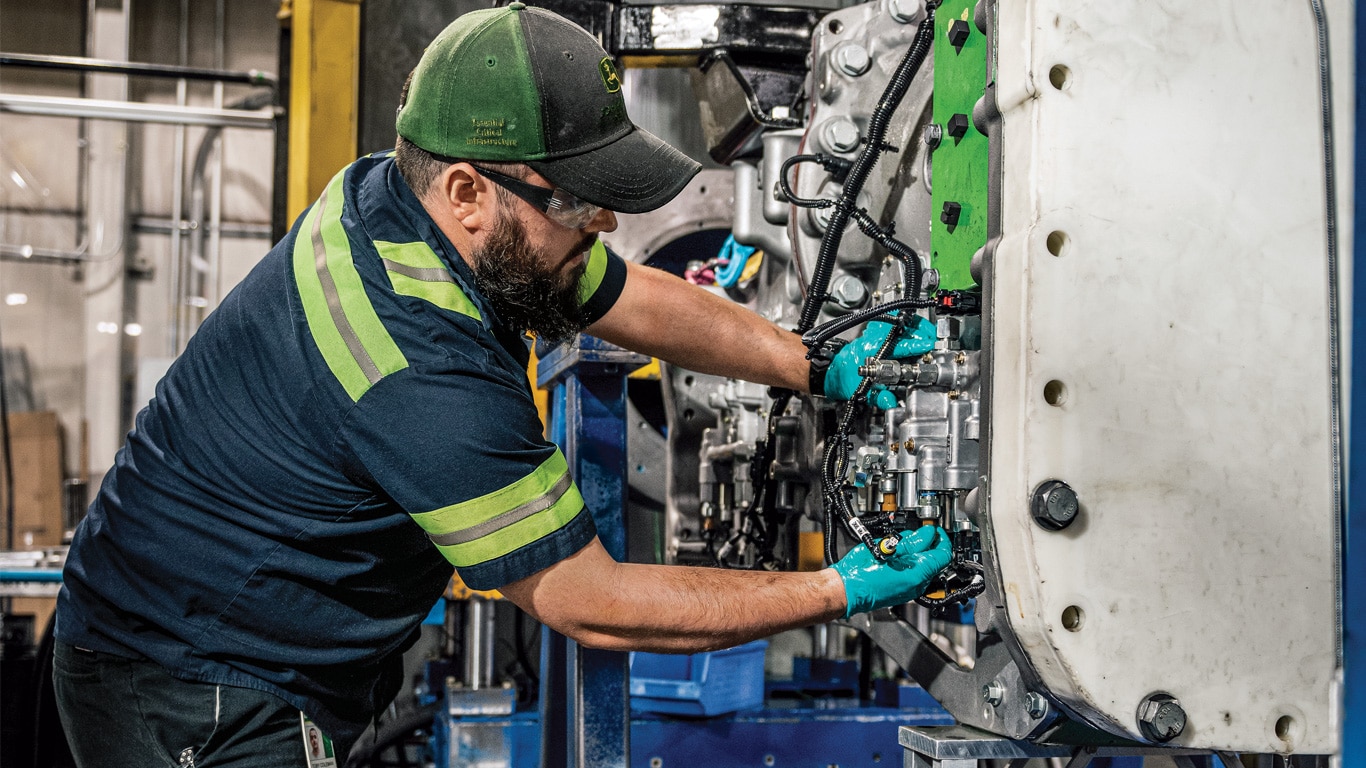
757, 527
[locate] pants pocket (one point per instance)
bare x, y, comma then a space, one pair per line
178, 715
75, 665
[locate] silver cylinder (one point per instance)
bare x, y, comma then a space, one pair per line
907, 495
962, 470
479, 626
931, 463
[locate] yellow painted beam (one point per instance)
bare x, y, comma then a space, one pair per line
323, 97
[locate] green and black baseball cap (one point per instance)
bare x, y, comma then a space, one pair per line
524, 85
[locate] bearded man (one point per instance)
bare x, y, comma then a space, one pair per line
355, 419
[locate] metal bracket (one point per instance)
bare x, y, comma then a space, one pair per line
961, 746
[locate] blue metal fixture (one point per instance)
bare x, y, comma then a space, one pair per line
1354, 549
584, 710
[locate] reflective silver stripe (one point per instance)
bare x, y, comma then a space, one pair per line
425, 274
334, 308
513, 515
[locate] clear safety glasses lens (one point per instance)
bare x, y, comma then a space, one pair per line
569, 211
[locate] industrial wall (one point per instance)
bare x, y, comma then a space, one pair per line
50, 243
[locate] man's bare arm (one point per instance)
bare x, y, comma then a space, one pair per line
601, 603
660, 315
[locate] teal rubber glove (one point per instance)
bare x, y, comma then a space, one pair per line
870, 584
842, 378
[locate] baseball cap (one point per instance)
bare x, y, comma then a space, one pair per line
524, 85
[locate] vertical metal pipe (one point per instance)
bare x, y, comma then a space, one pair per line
213, 277
820, 641
480, 616
177, 277
175, 325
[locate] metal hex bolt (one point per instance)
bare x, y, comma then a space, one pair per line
994, 693
840, 134
852, 59
1054, 505
1160, 717
848, 291
906, 11
1036, 705
932, 135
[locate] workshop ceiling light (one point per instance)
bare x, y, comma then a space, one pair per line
107, 327
15, 299
133, 329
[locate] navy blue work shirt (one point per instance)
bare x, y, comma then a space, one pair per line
350, 423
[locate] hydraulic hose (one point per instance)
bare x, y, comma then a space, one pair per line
825, 262
863, 166
837, 454
910, 262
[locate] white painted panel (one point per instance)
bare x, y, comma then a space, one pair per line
1187, 320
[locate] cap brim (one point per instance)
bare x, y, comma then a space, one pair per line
637, 173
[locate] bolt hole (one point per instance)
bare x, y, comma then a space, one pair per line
1285, 725
1057, 243
701, 190
835, 26
1060, 76
688, 414
1072, 618
687, 381
1055, 393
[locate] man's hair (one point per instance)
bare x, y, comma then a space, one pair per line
421, 168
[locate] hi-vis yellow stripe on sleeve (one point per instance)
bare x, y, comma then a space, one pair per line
593, 273
415, 270
506, 520
354, 343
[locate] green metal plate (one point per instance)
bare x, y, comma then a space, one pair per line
959, 164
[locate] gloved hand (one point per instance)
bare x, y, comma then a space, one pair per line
842, 377
870, 584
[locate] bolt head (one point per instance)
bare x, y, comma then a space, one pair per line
932, 135
1036, 705
1161, 717
906, 11
994, 693
852, 59
840, 135
848, 291
1054, 505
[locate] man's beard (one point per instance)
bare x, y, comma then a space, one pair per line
525, 294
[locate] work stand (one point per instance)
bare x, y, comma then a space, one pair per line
585, 710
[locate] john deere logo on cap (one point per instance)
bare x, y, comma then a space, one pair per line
608, 70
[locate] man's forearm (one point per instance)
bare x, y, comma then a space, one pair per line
660, 315
673, 609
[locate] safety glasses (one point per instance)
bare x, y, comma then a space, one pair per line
558, 205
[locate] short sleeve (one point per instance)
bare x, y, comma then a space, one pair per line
460, 449
602, 282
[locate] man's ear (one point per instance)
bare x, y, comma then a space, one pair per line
468, 196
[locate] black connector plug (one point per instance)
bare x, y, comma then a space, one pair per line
838, 167
958, 303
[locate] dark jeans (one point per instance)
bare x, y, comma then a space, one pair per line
120, 713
